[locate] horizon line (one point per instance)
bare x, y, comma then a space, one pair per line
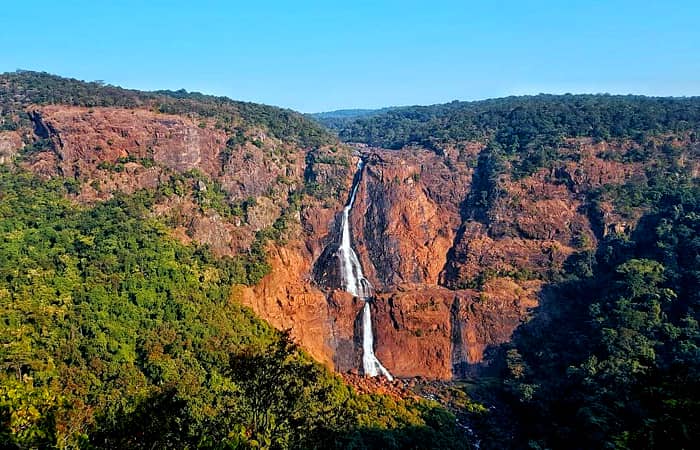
514, 93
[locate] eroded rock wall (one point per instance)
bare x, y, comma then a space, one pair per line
406, 216
111, 150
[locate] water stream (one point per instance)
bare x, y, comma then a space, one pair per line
355, 283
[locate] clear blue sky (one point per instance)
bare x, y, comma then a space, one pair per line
322, 55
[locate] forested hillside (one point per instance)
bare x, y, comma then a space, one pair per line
610, 357
120, 326
519, 123
22, 88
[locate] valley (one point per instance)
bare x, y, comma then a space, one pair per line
525, 245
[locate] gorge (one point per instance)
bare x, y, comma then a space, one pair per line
535, 253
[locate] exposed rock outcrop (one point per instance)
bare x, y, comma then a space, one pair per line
10, 143
124, 150
435, 332
406, 215
288, 301
85, 137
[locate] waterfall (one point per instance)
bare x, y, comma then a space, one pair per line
370, 363
355, 283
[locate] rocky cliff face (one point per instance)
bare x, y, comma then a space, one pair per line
454, 274
85, 137
110, 150
407, 215
10, 143
435, 332
452, 282
405, 221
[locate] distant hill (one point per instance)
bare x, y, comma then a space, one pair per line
519, 121
347, 113
338, 119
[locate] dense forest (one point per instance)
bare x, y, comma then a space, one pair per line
519, 123
612, 359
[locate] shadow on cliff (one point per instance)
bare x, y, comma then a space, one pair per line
494, 356
348, 349
474, 207
554, 308
542, 317
559, 306
326, 270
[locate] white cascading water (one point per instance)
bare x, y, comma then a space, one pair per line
356, 284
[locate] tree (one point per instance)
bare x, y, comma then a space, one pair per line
286, 400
